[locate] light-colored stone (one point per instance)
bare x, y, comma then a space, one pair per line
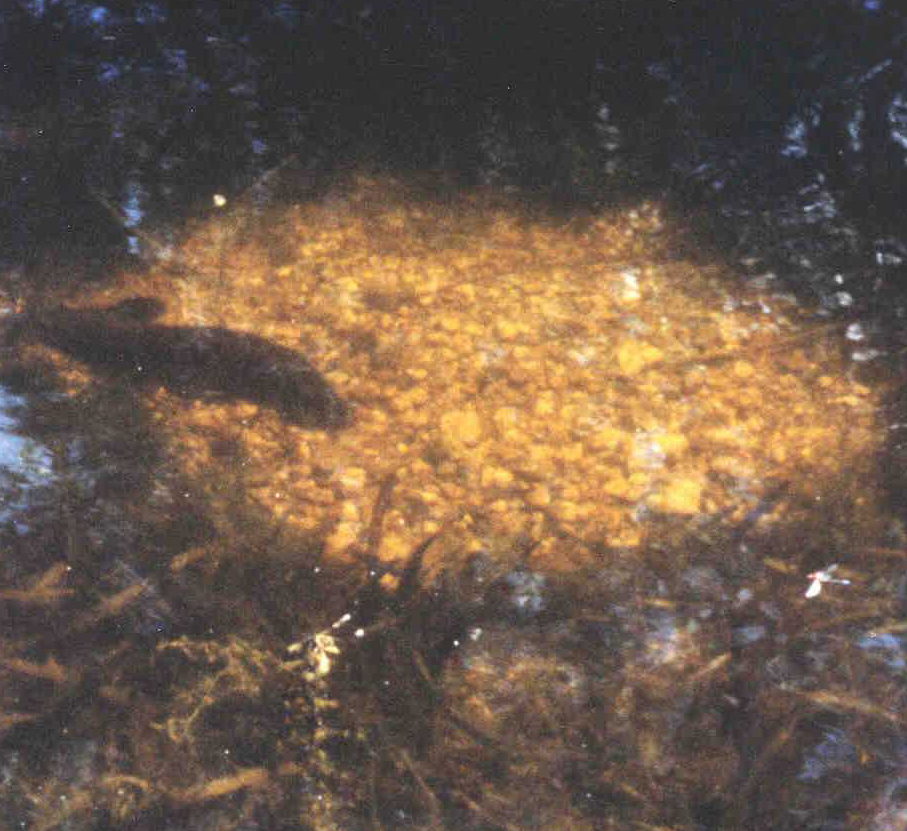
507, 329
342, 537
352, 479
450, 323
539, 496
618, 486
634, 356
673, 444
544, 405
462, 427
744, 369
496, 477
394, 547
505, 417
609, 438
681, 495
569, 511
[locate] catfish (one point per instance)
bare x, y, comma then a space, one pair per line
192, 361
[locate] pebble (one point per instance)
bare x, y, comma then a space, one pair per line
681, 495
539, 496
461, 427
633, 357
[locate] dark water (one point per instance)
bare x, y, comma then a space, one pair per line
175, 651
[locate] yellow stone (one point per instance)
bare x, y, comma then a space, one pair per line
570, 493
723, 435
539, 496
352, 478
569, 511
506, 416
349, 511
426, 286
450, 323
342, 537
628, 538
681, 495
394, 547
453, 491
848, 401
468, 291
743, 369
544, 405
302, 524
507, 329
429, 496
609, 438
514, 436
632, 356
496, 477
618, 486
462, 426
727, 464
338, 379
415, 397
571, 412
673, 444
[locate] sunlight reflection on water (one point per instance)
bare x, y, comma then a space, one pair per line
26, 464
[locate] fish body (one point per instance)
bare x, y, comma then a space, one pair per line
192, 361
